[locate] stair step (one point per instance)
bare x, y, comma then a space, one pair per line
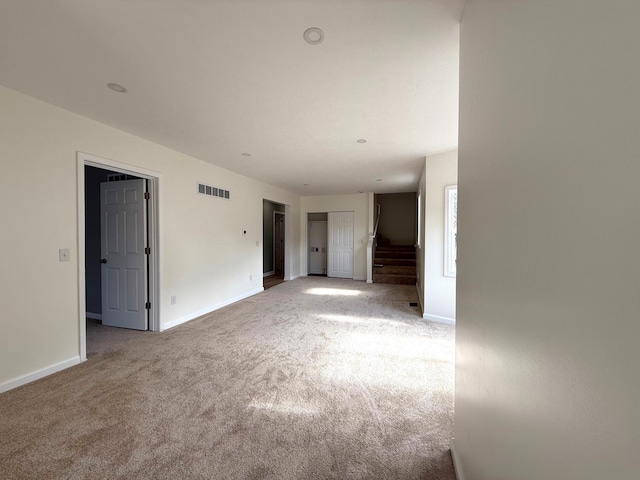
397, 248
394, 279
395, 261
395, 254
395, 270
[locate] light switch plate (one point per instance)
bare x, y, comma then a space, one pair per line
63, 254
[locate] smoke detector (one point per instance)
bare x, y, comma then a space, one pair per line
313, 35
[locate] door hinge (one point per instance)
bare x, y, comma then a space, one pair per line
146, 195
147, 250
147, 305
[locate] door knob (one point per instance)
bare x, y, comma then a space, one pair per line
103, 260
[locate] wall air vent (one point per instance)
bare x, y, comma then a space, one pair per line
213, 191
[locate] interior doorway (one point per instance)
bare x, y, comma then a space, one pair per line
274, 243
129, 290
317, 235
106, 188
102, 334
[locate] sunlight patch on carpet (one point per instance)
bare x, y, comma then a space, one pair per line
359, 320
389, 346
284, 407
333, 291
395, 362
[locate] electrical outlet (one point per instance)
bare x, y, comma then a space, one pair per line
257, 243
250, 277
173, 299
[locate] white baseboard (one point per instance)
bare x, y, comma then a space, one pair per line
209, 309
293, 277
43, 372
94, 316
360, 279
266, 274
457, 466
438, 319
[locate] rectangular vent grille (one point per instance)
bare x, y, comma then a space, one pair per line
213, 191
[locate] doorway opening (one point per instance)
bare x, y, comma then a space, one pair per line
117, 225
317, 236
273, 242
105, 336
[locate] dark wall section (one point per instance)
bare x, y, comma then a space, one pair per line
317, 217
398, 218
92, 178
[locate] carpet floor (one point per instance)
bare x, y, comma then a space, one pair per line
101, 339
315, 378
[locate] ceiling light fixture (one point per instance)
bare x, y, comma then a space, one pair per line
116, 87
313, 35
361, 140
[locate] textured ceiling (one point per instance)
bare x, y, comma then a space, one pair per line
215, 79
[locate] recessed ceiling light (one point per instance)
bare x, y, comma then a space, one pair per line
245, 154
361, 140
116, 87
313, 35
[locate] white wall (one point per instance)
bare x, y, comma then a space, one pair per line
438, 292
205, 260
548, 324
359, 204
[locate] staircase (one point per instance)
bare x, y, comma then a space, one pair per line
398, 265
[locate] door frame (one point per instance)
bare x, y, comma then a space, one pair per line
153, 180
284, 239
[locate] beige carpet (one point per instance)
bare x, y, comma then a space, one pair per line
313, 379
101, 339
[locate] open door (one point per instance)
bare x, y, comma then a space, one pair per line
123, 215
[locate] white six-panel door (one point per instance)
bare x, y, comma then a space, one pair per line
124, 272
340, 258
